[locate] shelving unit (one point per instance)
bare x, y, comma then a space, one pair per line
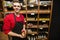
1, 14
1, 9
37, 15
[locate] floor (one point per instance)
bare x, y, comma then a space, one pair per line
3, 36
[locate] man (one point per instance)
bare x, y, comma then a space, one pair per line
14, 23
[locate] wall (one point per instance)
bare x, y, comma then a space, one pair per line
55, 24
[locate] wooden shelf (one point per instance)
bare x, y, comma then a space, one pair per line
44, 11
42, 38
43, 26
46, 32
36, 11
31, 19
33, 26
45, 2
22, 11
39, 5
33, 11
40, 19
32, 33
44, 19
1, 19
32, 5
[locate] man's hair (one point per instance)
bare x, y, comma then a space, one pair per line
16, 1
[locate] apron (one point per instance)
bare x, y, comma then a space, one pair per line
17, 29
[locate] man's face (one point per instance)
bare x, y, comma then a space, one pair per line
16, 7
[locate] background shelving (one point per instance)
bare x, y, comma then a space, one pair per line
37, 15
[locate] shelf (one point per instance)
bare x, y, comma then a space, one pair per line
43, 26
32, 5
44, 19
37, 17
42, 38
42, 3
40, 19
23, 11
33, 11
33, 26
46, 32
36, 11
32, 33
44, 11
31, 19
1, 19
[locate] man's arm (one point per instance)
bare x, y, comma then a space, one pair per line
15, 34
7, 28
24, 31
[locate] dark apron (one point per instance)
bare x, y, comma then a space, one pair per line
17, 29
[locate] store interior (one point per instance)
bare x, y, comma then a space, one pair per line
40, 17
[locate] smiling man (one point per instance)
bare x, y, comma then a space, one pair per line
14, 24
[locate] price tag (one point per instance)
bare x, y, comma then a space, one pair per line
45, 5
33, 34
31, 5
43, 21
24, 5
41, 28
32, 13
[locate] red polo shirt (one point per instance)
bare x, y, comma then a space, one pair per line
9, 22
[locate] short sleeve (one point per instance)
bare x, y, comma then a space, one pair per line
6, 25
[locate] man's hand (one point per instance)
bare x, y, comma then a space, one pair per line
15, 34
21, 36
24, 33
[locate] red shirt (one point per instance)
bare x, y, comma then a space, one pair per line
9, 22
